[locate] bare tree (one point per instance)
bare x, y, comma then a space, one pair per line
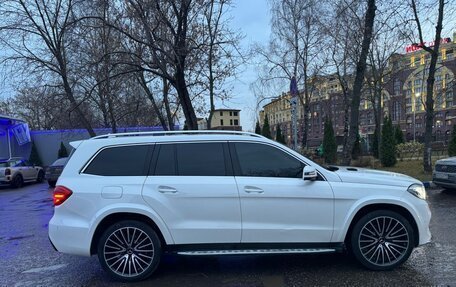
434, 52
39, 34
294, 48
387, 39
221, 54
359, 80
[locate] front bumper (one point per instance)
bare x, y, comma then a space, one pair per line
6, 179
444, 179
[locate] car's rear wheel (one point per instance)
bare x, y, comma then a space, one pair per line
18, 181
382, 240
40, 177
129, 250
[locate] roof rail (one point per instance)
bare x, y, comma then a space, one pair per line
170, 133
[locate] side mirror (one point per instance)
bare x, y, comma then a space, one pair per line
309, 173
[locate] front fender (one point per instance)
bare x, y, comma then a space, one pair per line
347, 211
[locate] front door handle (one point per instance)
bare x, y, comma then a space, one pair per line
166, 189
253, 189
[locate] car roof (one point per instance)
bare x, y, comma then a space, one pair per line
179, 136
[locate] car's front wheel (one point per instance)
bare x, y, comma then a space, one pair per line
129, 250
382, 240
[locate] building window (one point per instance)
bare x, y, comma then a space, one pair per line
235, 114
422, 61
412, 61
236, 122
231, 114
221, 122
221, 114
397, 87
231, 122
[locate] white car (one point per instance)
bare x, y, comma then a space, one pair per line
17, 171
131, 197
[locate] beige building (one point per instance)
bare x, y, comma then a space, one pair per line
226, 119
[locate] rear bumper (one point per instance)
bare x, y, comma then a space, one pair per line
70, 237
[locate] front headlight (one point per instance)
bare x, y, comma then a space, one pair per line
417, 190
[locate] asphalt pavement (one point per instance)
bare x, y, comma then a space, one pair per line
28, 259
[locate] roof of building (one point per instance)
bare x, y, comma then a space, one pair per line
228, 110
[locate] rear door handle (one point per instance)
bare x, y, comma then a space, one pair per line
253, 189
166, 189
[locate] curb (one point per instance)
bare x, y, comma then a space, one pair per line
429, 184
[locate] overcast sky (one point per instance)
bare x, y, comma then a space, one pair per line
252, 18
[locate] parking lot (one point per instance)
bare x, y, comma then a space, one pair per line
27, 258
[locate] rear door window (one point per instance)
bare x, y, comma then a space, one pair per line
200, 159
120, 161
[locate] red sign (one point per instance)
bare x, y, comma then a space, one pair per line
417, 47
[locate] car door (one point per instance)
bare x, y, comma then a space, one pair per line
30, 170
22, 168
193, 189
277, 205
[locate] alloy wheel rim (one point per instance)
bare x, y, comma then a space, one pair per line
383, 241
128, 251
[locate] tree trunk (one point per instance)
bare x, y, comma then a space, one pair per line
184, 97
427, 154
149, 94
169, 115
358, 83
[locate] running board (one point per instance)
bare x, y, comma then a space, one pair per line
257, 251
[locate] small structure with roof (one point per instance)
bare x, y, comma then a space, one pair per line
15, 138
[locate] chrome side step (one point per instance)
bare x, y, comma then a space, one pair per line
257, 251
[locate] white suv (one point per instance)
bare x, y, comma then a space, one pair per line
131, 197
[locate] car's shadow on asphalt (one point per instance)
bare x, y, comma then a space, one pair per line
275, 270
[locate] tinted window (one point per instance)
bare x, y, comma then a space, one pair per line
200, 159
266, 161
165, 161
119, 161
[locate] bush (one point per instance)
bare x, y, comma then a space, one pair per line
399, 135
388, 144
452, 143
34, 156
329, 143
279, 137
266, 131
257, 128
409, 150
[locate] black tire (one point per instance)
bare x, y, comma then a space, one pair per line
116, 249
52, 183
382, 240
40, 177
17, 182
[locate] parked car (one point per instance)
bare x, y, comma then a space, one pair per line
131, 197
17, 171
444, 174
54, 170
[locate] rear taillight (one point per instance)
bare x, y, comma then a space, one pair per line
7, 171
61, 194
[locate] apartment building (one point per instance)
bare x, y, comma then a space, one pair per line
403, 98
